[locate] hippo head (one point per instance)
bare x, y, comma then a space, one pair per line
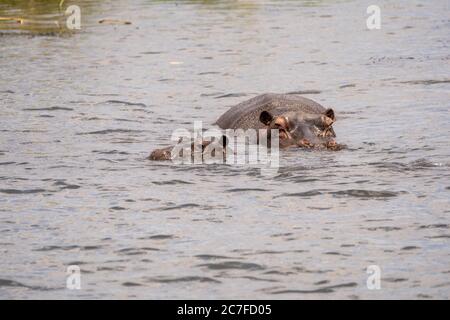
306, 130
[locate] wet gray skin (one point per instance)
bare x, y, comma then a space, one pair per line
301, 122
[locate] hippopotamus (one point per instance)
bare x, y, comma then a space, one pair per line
301, 122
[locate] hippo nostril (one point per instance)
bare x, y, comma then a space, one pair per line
333, 145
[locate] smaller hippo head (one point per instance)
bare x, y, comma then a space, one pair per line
306, 130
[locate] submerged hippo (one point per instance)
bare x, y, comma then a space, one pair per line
300, 122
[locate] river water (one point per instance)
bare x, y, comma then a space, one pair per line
80, 112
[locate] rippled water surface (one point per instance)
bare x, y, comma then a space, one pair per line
80, 112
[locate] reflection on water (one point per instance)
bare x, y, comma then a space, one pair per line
80, 113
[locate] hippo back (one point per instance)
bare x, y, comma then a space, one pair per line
245, 115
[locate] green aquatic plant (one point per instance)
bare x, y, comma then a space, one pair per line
38, 16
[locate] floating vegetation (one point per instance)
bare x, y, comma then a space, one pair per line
33, 25
37, 17
11, 20
114, 21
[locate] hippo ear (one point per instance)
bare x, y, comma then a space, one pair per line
330, 114
224, 141
266, 117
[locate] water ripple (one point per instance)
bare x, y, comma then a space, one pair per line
327, 289
233, 265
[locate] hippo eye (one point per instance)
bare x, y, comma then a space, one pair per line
279, 127
282, 132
